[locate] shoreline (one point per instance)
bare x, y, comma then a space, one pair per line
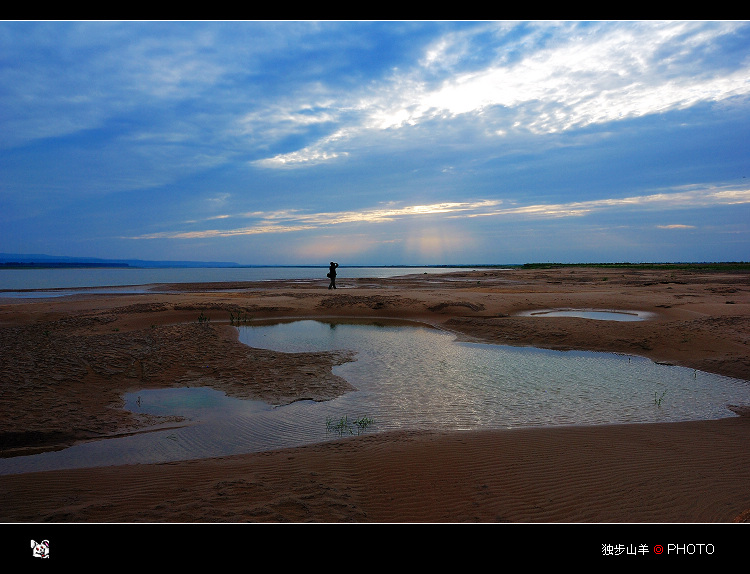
86, 350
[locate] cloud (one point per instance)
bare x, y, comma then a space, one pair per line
294, 221
676, 226
432, 133
291, 221
247, 90
596, 75
698, 197
588, 75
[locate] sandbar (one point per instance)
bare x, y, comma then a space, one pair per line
67, 361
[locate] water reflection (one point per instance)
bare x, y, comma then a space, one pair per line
410, 377
192, 403
597, 314
420, 377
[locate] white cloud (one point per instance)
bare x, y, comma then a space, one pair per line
293, 221
608, 76
695, 197
611, 71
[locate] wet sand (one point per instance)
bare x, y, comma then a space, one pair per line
66, 363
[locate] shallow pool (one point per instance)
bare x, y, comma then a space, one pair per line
596, 314
410, 377
421, 377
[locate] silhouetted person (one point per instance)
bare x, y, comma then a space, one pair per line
332, 274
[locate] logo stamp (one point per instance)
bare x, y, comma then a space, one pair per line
40, 549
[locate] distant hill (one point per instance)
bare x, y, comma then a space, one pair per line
17, 260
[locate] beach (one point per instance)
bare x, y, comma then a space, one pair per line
67, 362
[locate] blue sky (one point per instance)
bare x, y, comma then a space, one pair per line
376, 143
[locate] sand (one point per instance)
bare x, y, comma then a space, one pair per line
66, 362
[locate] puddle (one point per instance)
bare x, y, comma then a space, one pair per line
421, 377
190, 402
596, 314
409, 377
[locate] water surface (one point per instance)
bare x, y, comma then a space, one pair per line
596, 314
410, 376
421, 377
14, 280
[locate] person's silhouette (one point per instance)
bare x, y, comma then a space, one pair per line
332, 275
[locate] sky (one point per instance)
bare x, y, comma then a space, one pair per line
376, 142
